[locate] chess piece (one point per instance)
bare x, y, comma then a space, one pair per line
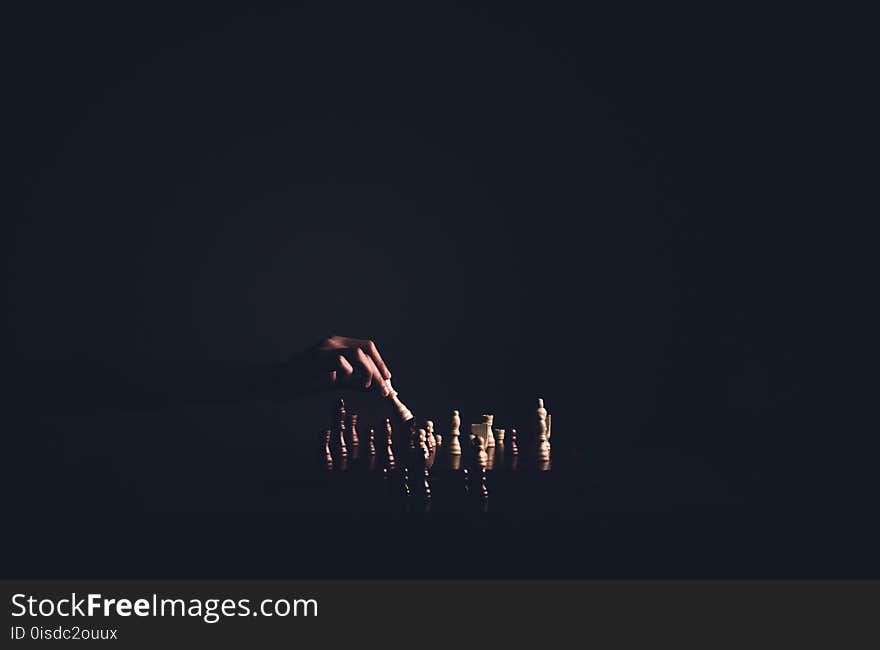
514, 448
389, 447
352, 428
543, 444
455, 463
423, 444
371, 442
484, 431
340, 427
404, 413
479, 458
326, 434
499, 436
490, 439
429, 435
490, 458
454, 444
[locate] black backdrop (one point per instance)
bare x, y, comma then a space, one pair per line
605, 210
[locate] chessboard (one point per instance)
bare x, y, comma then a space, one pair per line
412, 465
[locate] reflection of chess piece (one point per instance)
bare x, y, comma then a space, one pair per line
371, 442
426, 487
490, 458
479, 454
465, 482
353, 432
514, 448
340, 427
454, 444
484, 483
543, 444
429, 435
490, 439
325, 448
455, 463
389, 447
404, 482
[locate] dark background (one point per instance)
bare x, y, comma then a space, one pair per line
617, 212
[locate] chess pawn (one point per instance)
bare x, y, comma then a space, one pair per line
389, 447
325, 448
479, 454
423, 444
353, 432
455, 463
454, 444
371, 442
490, 439
543, 445
429, 435
514, 448
340, 428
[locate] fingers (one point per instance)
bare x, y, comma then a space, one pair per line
370, 372
370, 349
343, 365
346, 356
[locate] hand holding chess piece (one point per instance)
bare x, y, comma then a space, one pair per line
333, 362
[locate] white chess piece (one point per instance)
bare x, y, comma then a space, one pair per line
454, 444
490, 439
430, 438
423, 445
543, 444
405, 414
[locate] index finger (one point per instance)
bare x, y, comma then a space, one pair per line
370, 349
